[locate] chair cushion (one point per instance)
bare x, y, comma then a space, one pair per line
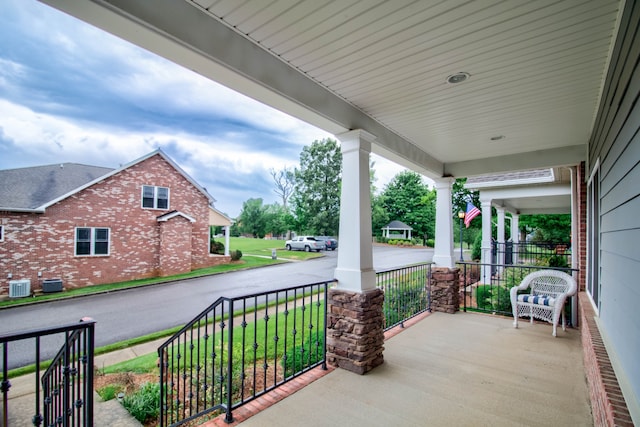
536, 299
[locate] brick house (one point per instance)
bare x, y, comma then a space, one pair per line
89, 225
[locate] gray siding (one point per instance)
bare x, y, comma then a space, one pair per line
616, 142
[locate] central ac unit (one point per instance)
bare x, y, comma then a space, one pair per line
19, 288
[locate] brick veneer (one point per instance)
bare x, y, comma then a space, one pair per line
445, 289
607, 403
355, 336
582, 232
44, 242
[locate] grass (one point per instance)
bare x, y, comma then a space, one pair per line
261, 247
134, 364
148, 363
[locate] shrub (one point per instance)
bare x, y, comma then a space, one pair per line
144, 404
236, 255
109, 392
217, 247
431, 243
476, 252
493, 298
558, 261
301, 357
382, 239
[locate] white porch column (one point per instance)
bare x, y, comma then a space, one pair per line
500, 238
355, 259
227, 232
443, 251
515, 237
486, 241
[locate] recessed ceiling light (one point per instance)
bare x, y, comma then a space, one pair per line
497, 137
458, 78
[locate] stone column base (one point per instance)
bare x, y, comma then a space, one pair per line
355, 336
445, 289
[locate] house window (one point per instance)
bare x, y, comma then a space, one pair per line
155, 197
92, 241
1, 233
593, 236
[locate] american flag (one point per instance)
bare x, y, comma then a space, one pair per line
471, 213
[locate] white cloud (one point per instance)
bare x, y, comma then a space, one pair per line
231, 162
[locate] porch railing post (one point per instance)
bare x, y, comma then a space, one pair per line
229, 415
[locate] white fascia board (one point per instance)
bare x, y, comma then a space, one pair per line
526, 192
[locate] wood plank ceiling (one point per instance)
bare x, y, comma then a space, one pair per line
536, 67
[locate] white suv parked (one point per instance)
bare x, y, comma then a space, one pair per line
304, 243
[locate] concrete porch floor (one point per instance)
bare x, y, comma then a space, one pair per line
464, 369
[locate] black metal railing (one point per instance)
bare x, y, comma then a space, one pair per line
486, 287
406, 292
240, 348
552, 254
67, 385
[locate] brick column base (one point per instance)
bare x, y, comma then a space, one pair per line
445, 289
355, 336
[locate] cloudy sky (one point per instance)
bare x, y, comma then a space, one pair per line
70, 92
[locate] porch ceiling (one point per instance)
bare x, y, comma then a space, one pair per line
541, 191
535, 69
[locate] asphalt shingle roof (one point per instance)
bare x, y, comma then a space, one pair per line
30, 188
398, 225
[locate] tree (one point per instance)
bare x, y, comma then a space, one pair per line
379, 216
252, 218
460, 196
316, 199
284, 180
406, 198
278, 220
547, 228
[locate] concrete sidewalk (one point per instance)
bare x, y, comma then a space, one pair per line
106, 414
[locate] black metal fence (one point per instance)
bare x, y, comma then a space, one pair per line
66, 397
551, 254
486, 287
240, 348
406, 292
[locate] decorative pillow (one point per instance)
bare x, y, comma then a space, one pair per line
536, 299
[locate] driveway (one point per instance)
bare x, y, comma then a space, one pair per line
136, 312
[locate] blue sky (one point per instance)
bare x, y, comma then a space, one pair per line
70, 92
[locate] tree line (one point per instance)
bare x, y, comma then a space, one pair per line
309, 204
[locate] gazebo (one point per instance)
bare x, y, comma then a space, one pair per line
397, 230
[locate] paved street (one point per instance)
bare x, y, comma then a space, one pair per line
136, 312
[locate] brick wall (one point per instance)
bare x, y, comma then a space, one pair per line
582, 232
607, 403
44, 243
175, 246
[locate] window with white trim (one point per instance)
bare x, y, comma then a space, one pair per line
1, 233
154, 197
593, 236
92, 241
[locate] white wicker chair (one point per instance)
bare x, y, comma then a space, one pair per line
549, 291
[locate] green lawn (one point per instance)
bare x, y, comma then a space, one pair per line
262, 247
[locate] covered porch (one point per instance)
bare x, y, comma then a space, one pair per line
461, 369
447, 90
